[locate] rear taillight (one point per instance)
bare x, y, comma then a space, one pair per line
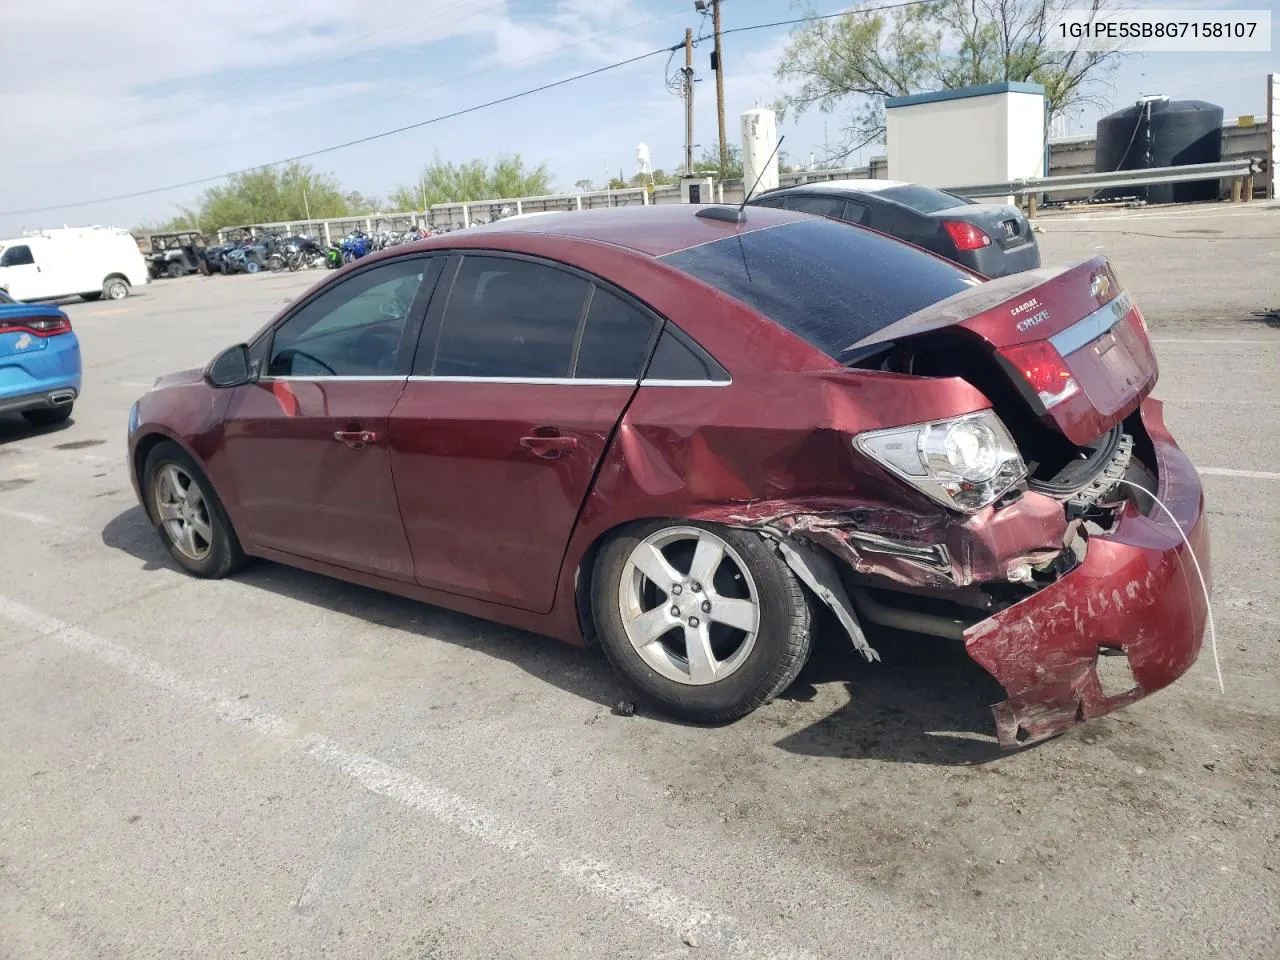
40, 326
965, 235
1044, 369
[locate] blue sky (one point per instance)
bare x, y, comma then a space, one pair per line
108, 99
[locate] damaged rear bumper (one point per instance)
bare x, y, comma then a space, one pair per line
1136, 593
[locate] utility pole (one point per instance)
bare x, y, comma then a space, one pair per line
724, 146
688, 101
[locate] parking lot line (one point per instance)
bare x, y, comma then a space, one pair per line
1228, 472
1198, 340
643, 896
41, 520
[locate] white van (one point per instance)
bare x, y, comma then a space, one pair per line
92, 262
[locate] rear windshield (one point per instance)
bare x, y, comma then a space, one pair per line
923, 199
827, 282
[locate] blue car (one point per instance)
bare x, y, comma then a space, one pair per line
39, 362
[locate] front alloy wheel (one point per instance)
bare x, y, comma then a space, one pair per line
185, 508
183, 512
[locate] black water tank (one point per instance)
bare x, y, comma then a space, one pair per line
1161, 133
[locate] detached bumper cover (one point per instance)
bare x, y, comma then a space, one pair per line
1136, 592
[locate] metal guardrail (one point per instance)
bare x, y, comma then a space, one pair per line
1244, 168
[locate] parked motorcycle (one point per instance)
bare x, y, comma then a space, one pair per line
355, 245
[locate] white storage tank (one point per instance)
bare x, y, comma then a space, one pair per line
759, 141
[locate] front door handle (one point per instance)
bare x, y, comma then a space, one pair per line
549, 444
356, 439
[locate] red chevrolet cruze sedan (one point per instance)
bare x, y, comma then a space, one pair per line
678, 430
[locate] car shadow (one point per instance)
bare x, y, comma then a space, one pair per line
14, 428
583, 673
926, 702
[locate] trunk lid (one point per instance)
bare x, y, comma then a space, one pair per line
1006, 227
1071, 339
25, 328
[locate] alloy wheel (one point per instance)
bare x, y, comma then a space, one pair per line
689, 605
184, 512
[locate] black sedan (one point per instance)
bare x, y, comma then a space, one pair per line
993, 239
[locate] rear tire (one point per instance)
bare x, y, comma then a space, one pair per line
187, 513
48, 416
115, 288
743, 631
176, 270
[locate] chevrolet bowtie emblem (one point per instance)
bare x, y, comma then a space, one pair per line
1100, 286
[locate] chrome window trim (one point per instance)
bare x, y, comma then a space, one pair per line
555, 381
1083, 332
658, 382
327, 378
534, 381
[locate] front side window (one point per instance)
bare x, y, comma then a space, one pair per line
19, 256
356, 328
827, 284
510, 319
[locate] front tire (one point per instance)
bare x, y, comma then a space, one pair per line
706, 620
188, 514
48, 416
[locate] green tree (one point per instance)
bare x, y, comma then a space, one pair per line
659, 178
442, 182
710, 160
854, 62
267, 195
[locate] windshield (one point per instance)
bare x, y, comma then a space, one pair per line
827, 282
923, 199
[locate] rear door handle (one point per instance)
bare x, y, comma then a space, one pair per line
356, 439
549, 445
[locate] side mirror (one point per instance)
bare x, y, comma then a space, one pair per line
230, 368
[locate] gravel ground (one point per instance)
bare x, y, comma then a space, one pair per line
281, 765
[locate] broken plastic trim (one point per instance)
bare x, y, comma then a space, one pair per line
818, 572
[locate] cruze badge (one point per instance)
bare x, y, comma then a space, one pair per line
1100, 286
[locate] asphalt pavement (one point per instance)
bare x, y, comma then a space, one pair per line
282, 765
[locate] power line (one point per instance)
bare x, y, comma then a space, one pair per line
349, 143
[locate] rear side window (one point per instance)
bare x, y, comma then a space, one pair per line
678, 358
818, 206
923, 199
615, 342
826, 283
19, 256
510, 318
